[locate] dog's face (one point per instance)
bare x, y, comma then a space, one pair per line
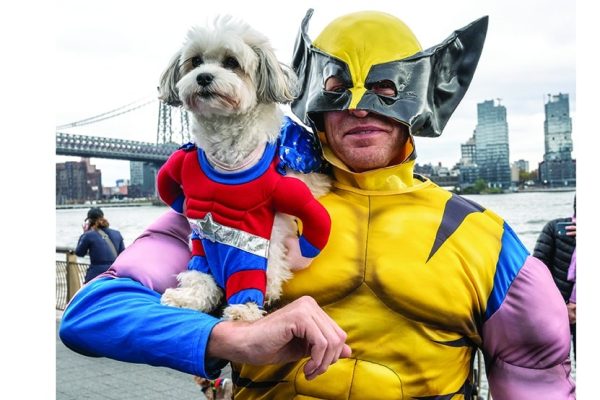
226, 70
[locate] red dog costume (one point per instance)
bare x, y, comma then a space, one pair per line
232, 216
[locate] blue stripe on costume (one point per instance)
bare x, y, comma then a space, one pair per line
178, 203
247, 295
237, 178
307, 249
512, 257
225, 260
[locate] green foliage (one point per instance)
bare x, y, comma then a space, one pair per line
481, 187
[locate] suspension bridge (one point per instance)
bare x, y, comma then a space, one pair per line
172, 130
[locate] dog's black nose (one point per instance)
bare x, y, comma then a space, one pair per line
204, 79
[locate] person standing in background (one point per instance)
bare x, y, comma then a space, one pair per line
555, 246
102, 243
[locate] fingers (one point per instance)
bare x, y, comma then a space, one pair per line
325, 338
295, 331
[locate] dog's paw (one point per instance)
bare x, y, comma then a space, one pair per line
176, 297
243, 312
217, 389
197, 291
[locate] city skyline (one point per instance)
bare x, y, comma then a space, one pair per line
114, 170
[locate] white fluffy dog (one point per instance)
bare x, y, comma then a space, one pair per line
229, 79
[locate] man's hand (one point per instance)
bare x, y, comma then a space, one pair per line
297, 330
571, 230
572, 309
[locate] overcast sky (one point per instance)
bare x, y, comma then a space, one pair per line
111, 53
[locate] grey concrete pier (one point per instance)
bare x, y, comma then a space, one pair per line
87, 378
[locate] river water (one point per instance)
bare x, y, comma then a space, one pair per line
526, 213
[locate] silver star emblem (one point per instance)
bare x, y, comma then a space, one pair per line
208, 227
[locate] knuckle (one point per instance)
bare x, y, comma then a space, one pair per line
321, 342
307, 300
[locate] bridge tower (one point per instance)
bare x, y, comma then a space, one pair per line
173, 125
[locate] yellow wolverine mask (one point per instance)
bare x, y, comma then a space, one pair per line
367, 48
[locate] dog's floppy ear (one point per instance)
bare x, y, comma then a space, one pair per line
167, 91
275, 81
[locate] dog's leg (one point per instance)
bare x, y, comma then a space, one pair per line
278, 268
227, 386
196, 290
243, 312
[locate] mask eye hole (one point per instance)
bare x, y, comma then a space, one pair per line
197, 60
383, 88
335, 85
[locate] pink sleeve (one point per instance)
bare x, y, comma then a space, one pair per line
158, 255
527, 340
571, 276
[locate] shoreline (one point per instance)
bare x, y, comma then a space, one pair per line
109, 205
158, 203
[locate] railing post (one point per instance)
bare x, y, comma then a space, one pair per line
73, 280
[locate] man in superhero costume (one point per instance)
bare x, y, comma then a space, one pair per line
413, 278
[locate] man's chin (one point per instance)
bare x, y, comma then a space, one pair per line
364, 162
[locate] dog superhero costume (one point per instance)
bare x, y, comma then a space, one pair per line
416, 276
232, 214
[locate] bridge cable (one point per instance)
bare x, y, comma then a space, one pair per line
108, 114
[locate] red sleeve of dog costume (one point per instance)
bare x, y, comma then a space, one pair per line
293, 197
197, 248
168, 179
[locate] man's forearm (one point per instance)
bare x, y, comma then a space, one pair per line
123, 320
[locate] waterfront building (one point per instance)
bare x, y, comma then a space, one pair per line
142, 179
442, 176
491, 145
77, 182
558, 167
516, 169
467, 165
522, 165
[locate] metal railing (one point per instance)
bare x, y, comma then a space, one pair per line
69, 276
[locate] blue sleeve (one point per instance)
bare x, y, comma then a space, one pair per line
82, 246
121, 244
119, 318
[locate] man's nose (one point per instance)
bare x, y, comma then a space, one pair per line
358, 113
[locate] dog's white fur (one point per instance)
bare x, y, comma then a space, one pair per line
234, 114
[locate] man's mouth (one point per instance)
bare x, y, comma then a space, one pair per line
365, 130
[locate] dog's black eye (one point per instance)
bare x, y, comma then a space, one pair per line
196, 61
231, 63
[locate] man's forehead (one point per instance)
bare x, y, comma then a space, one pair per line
364, 39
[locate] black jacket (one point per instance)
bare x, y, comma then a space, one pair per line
555, 251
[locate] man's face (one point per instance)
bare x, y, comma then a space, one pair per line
361, 139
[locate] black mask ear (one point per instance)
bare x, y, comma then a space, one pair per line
301, 65
452, 65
